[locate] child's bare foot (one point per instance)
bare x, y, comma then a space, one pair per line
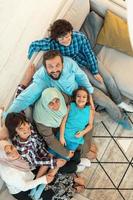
79, 184
93, 148
91, 155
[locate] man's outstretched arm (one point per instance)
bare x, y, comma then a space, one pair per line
27, 78
29, 95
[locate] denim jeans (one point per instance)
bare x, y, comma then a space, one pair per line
111, 108
107, 94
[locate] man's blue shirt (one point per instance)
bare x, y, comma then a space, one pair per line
71, 78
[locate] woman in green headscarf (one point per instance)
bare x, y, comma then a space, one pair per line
48, 114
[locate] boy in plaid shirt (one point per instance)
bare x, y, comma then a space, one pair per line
30, 144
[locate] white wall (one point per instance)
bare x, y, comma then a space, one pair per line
21, 21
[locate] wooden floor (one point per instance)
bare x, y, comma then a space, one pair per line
111, 174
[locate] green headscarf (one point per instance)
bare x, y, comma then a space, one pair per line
43, 114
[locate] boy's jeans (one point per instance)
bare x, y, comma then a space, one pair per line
106, 95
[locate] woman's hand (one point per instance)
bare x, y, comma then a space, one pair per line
49, 178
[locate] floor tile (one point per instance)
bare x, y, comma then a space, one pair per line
104, 195
115, 171
128, 179
113, 153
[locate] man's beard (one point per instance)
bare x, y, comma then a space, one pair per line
57, 78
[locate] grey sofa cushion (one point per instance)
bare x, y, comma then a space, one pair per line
120, 66
91, 27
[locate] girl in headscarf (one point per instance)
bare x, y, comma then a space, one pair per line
48, 114
15, 172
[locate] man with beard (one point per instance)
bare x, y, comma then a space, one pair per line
75, 45
60, 72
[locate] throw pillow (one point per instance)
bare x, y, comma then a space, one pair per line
91, 27
114, 34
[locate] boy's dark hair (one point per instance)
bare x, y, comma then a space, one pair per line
60, 28
12, 121
51, 54
75, 93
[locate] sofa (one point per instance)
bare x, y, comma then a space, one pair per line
89, 18
117, 61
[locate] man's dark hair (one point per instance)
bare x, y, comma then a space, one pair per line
60, 28
51, 54
12, 121
74, 94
